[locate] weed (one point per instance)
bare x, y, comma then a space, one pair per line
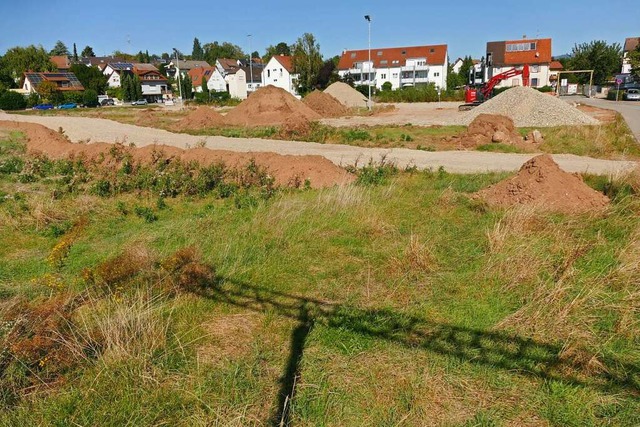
145, 213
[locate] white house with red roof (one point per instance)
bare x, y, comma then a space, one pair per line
504, 55
401, 66
279, 72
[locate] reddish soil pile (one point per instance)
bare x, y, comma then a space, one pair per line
487, 128
146, 118
296, 127
269, 106
287, 170
541, 183
325, 104
201, 117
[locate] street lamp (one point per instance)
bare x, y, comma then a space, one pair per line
368, 18
250, 62
178, 73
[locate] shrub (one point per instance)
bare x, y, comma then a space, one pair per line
10, 100
386, 86
612, 95
146, 213
376, 174
90, 98
545, 89
74, 97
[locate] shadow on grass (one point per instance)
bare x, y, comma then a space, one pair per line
489, 348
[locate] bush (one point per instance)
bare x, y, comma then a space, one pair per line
10, 100
74, 97
545, 89
90, 98
33, 99
386, 86
611, 96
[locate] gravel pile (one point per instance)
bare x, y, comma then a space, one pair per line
528, 107
347, 95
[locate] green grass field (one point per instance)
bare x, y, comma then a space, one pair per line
395, 301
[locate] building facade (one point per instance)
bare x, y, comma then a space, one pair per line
400, 66
279, 73
502, 56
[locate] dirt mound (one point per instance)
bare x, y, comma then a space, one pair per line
487, 128
528, 107
325, 104
541, 183
201, 117
147, 118
296, 127
286, 169
268, 106
347, 95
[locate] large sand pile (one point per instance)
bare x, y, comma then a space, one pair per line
542, 184
528, 107
287, 170
325, 104
269, 106
347, 95
201, 117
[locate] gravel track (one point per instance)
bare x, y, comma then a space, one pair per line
102, 130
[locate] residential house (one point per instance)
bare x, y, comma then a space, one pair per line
154, 84
254, 77
197, 74
216, 81
630, 44
61, 62
66, 82
237, 84
279, 72
100, 61
184, 66
554, 68
400, 66
251, 76
458, 64
504, 55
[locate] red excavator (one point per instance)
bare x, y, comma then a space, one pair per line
475, 95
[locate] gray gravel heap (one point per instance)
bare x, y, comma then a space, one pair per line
347, 95
528, 107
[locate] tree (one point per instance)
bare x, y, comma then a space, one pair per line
213, 51
48, 91
165, 56
280, 49
136, 87
126, 86
60, 49
75, 53
187, 87
255, 54
90, 77
307, 62
465, 68
87, 52
327, 74
605, 60
197, 52
203, 85
18, 60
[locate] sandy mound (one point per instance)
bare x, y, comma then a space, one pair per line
201, 117
269, 106
287, 170
325, 104
347, 95
488, 128
541, 183
528, 107
296, 127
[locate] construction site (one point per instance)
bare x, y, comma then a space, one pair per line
315, 261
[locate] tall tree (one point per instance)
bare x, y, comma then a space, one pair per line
307, 62
90, 77
203, 85
125, 85
215, 50
280, 49
87, 52
59, 49
136, 87
75, 53
465, 68
605, 60
18, 59
327, 74
634, 60
197, 52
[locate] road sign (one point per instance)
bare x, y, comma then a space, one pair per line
618, 81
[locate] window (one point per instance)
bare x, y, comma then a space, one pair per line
268, 73
395, 75
395, 61
535, 68
521, 47
383, 76
379, 53
534, 82
432, 50
404, 52
384, 62
353, 55
436, 74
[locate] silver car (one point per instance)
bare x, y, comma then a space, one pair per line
632, 95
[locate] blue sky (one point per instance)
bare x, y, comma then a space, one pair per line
159, 25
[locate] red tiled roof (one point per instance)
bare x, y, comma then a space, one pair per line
394, 56
61, 62
286, 61
196, 74
229, 64
556, 65
631, 43
541, 55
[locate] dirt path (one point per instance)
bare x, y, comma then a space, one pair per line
630, 110
101, 130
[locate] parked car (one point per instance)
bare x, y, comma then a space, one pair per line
43, 107
632, 95
140, 102
107, 101
68, 106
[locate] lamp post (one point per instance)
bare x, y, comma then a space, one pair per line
368, 18
178, 73
250, 62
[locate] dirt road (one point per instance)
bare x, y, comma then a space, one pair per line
101, 130
630, 110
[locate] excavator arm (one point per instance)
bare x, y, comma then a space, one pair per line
487, 89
